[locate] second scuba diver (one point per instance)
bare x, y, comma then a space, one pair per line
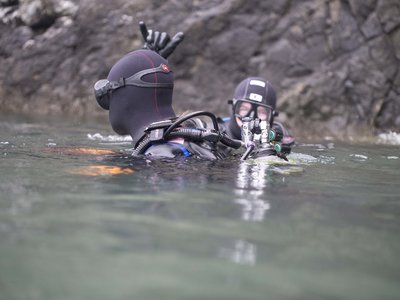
138, 95
254, 98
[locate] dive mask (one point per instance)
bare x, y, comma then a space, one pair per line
103, 88
244, 108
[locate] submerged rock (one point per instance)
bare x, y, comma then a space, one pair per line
335, 64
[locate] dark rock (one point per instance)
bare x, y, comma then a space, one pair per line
361, 9
334, 64
37, 14
344, 34
396, 83
279, 59
389, 112
371, 27
10, 41
221, 48
4, 3
381, 51
395, 37
388, 12
312, 52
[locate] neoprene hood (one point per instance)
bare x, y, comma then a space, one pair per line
142, 93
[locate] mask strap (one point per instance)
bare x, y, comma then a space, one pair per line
136, 79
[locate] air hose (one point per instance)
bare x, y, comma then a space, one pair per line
194, 134
184, 118
143, 145
227, 141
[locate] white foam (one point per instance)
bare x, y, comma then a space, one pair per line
327, 160
301, 158
109, 138
318, 146
392, 138
293, 159
359, 156
392, 157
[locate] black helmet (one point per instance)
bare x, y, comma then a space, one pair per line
257, 91
137, 92
255, 97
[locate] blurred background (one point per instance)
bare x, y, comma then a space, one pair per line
334, 63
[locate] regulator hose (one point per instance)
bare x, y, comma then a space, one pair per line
143, 146
249, 150
194, 134
232, 143
184, 118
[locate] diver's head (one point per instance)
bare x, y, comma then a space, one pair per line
253, 97
137, 92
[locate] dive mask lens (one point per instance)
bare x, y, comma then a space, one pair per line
243, 109
253, 110
101, 92
264, 113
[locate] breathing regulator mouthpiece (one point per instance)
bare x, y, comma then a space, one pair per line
258, 136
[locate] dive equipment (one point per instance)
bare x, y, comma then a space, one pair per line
247, 108
160, 132
258, 138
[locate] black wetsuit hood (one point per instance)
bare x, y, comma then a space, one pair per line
246, 90
133, 107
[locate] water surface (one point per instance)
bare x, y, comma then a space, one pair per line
81, 219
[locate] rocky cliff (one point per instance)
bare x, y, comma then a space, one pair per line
334, 63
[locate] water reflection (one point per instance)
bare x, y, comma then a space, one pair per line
157, 176
251, 181
242, 253
152, 190
101, 170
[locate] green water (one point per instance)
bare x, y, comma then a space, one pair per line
75, 225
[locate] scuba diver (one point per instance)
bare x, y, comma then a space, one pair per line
254, 99
138, 95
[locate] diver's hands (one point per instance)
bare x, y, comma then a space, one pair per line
160, 42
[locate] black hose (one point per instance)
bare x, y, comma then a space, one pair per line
184, 118
232, 143
248, 152
190, 133
193, 134
142, 147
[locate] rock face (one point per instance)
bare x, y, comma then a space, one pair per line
334, 63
